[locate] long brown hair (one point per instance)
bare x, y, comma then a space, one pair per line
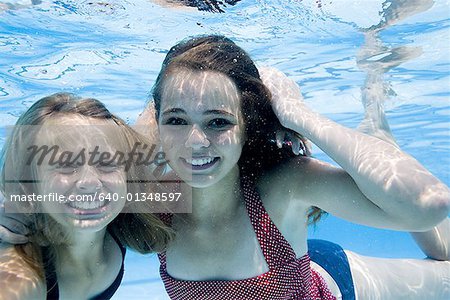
220, 54
143, 232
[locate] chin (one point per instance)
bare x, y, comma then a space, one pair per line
202, 183
92, 224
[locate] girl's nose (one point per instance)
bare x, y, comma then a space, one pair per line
197, 139
88, 182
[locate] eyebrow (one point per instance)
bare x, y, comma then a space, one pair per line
174, 111
207, 112
218, 112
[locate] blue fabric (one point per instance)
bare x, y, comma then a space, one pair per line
333, 259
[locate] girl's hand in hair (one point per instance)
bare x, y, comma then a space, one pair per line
297, 143
287, 100
285, 93
279, 85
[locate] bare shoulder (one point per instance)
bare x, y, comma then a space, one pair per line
288, 181
302, 175
306, 182
17, 279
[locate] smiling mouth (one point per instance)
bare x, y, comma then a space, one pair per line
87, 207
201, 163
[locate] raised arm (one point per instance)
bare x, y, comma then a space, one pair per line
388, 188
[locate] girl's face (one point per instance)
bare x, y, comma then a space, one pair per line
92, 194
201, 125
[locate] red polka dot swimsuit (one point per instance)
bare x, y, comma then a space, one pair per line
288, 277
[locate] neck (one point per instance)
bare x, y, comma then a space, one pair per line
218, 201
84, 249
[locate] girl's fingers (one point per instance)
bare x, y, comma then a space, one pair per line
14, 224
7, 236
296, 146
280, 135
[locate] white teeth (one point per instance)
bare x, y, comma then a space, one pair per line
199, 161
86, 204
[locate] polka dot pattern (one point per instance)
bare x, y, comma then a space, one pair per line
288, 277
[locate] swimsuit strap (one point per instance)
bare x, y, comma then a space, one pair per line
111, 290
167, 220
50, 275
276, 249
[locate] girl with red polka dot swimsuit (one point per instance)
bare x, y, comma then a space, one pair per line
236, 145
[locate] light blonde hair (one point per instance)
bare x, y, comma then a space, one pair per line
143, 232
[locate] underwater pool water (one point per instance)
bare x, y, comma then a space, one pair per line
113, 50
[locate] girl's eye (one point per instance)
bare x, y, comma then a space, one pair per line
220, 123
175, 121
67, 169
108, 168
